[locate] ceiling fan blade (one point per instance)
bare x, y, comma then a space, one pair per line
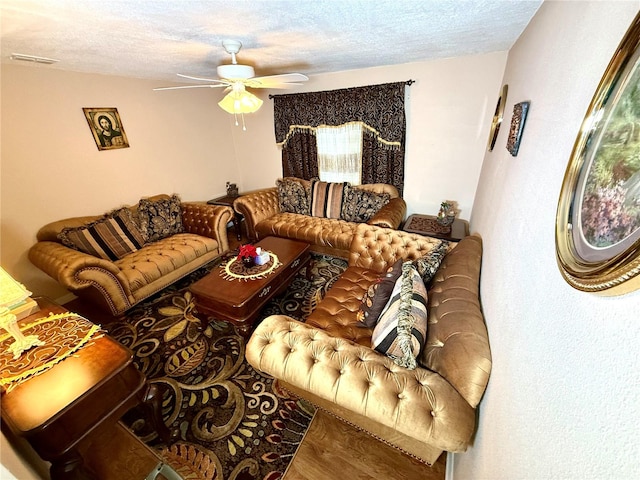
273, 85
271, 81
202, 79
190, 86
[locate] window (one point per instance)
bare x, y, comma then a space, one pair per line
340, 153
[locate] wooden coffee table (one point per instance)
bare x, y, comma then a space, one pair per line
239, 301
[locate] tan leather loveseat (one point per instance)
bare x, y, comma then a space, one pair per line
118, 285
263, 218
329, 360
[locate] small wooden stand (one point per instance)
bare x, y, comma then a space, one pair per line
428, 226
228, 200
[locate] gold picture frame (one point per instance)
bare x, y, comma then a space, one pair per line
598, 215
497, 117
106, 127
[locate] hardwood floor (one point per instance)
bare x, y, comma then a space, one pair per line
114, 453
332, 449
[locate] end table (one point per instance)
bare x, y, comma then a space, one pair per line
228, 200
63, 406
427, 225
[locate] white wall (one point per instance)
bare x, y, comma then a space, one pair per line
52, 169
562, 401
448, 112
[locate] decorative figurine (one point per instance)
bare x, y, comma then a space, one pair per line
447, 214
232, 189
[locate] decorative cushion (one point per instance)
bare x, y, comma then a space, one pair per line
327, 198
293, 197
428, 264
111, 237
160, 218
377, 295
360, 205
401, 331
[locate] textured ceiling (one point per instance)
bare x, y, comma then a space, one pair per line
158, 38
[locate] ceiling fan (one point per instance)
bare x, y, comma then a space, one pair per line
236, 78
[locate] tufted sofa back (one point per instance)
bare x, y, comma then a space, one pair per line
377, 248
49, 232
457, 342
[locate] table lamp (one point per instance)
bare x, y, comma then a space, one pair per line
13, 297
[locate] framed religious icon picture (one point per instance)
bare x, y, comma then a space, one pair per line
518, 120
106, 127
598, 216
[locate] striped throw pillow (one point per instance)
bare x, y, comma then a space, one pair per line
401, 331
327, 198
110, 237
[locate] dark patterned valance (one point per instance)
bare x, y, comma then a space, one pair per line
378, 106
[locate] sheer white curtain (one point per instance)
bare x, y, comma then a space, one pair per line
340, 152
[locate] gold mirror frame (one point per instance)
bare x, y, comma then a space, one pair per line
497, 118
597, 252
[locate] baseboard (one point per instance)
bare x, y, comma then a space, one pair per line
448, 473
65, 298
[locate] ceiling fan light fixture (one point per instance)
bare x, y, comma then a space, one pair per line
240, 101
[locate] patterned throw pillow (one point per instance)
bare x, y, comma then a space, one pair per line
360, 205
110, 237
401, 331
292, 196
428, 264
327, 198
160, 218
377, 295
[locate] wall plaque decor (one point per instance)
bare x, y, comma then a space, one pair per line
598, 216
106, 127
518, 119
497, 117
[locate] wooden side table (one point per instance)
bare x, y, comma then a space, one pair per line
427, 225
228, 200
64, 405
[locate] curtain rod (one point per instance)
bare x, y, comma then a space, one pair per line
408, 82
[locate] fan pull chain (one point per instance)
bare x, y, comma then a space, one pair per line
235, 115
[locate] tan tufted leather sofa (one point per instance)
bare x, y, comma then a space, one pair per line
119, 285
263, 218
328, 360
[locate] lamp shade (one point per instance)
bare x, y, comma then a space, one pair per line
238, 100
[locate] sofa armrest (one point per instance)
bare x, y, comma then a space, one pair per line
64, 264
207, 220
418, 403
256, 207
391, 215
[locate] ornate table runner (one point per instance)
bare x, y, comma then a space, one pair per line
235, 269
63, 334
427, 224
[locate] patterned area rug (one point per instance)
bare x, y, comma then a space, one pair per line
234, 422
